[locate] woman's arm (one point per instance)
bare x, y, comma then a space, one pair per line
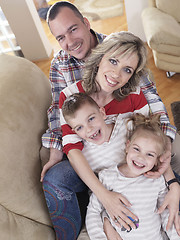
156, 105
113, 202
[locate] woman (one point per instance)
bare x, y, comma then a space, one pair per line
110, 77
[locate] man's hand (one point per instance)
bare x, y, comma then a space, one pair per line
165, 160
55, 157
172, 203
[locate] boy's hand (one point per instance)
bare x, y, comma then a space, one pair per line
116, 206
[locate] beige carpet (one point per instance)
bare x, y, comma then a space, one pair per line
99, 9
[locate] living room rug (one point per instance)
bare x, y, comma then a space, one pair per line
99, 9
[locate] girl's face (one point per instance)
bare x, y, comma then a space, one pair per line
115, 72
142, 155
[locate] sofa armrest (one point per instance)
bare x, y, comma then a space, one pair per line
160, 28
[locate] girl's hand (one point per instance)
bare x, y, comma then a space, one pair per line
116, 206
172, 203
110, 232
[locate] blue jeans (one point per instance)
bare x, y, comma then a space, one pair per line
60, 185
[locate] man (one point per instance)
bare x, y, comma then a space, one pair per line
76, 39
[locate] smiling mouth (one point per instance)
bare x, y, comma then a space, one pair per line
138, 165
94, 135
76, 48
111, 83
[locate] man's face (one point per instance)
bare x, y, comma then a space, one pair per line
72, 34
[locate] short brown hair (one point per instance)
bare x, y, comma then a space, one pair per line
56, 8
74, 102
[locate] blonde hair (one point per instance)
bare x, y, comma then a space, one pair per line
120, 43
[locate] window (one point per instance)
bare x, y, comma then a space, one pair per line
8, 43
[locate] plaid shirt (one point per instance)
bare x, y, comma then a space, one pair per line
66, 70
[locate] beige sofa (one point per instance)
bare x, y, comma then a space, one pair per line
25, 96
161, 21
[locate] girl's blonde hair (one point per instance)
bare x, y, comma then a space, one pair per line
116, 44
151, 126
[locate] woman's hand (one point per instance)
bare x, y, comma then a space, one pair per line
116, 206
110, 232
55, 157
165, 160
172, 203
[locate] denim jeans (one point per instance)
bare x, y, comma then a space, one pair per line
60, 185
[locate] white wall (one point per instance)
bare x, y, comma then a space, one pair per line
133, 13
26, 26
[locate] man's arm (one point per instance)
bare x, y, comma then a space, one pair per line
171, 201
52, 137
156, 105
170, 230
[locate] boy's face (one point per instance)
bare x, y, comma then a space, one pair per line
142, 154
88, 123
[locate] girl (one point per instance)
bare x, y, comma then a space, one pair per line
146, 143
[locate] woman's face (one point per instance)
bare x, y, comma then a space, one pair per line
115, 72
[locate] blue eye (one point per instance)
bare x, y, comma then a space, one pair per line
136, 149
73, 29
91, 119
127, 70
78, 128
113, 61
150, 155
59, 39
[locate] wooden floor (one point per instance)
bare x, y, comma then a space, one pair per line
168, 88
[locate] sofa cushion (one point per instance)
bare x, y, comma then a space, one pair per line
166, 62
25, 96
162, 31
171, 7
17, 227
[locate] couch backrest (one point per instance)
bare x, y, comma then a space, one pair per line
152, 3
25, 96
171, 7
